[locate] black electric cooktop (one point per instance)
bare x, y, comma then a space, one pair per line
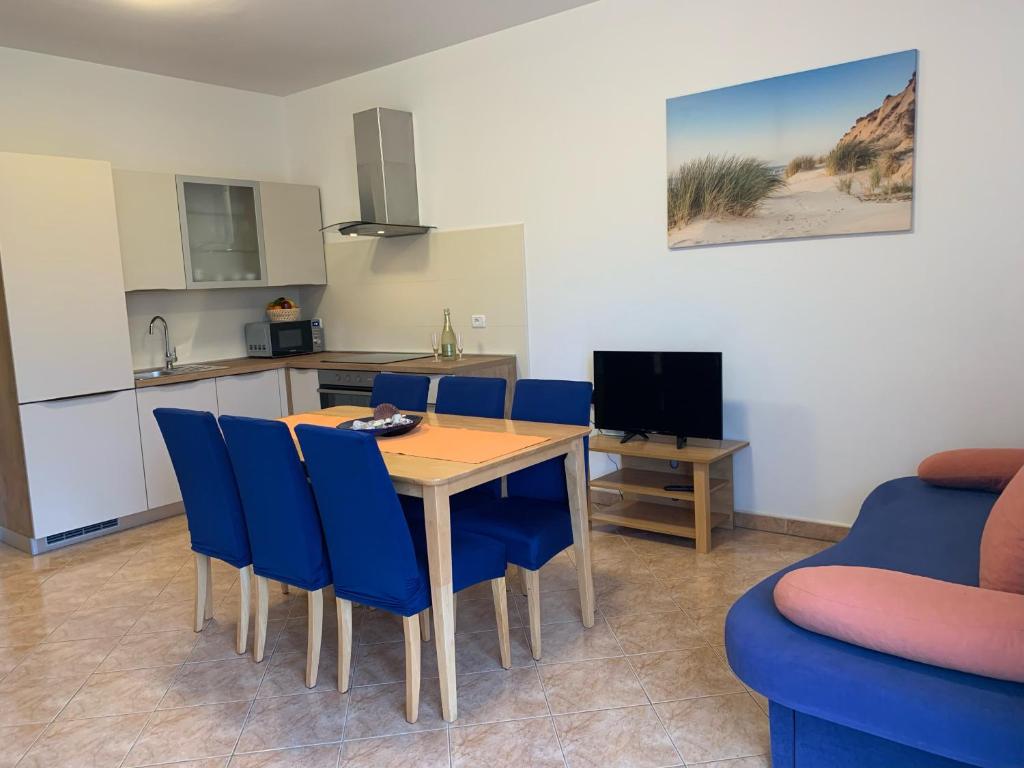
372, 358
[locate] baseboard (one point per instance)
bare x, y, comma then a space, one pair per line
807, 529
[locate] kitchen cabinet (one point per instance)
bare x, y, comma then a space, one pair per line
305, 386
147, 222
161, 482
291, 234
62, 277
84, 461
251, 394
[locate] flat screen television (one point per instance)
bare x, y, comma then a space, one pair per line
670, 393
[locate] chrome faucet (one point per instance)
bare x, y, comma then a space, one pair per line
170, 353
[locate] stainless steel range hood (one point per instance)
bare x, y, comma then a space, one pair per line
386, 171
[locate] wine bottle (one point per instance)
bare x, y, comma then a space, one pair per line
447, 336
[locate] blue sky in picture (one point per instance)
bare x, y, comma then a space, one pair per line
777, 119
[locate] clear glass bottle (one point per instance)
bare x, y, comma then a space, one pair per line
447, 336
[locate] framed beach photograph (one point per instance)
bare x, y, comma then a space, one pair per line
824, 152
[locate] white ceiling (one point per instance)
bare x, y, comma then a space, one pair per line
272, 46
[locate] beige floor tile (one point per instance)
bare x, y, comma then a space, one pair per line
63, 659
511, 744
12, 655
155, 649
15, 741
38, 701
188, 734
97, 743
36, 601
382, 663
558, 575
478, 616
208, 762
371, 626
704, 589
218, 640
711, 622
684, 674
147, 568
653, 632
584, 685
164, 618
761, 761
716, 727
635, 598
183, 587
29, 629
295, 634
125, 593
761, 701
512, 694
479, 652
411, 750
555, 607
105, 621
626, 737
379, 710
322, 756
571, 641
214, 682
120, 693
294, 721
286, 674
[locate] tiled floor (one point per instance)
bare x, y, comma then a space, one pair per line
99, 667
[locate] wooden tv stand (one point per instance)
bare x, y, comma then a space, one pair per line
647, 506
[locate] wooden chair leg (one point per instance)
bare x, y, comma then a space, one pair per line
410, 625
532, 580
284, 588
455, 611
344, 642
244, 597
259, 643
208, 613
501, 616
202, 579
425, 625
315, 631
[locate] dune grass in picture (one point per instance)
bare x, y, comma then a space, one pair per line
824, 152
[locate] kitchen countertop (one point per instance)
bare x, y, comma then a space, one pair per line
325, 361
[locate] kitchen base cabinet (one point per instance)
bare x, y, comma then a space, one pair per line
84, 461
305, 386
257, 395
161, 482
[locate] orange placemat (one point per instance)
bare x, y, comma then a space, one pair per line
470, 446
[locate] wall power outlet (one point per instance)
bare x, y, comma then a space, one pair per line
479, 321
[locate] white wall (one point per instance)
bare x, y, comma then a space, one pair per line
847, 359
139, 121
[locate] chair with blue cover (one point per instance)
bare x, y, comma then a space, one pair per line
284, 527
404, 391
534, 521
375, 559
213, 508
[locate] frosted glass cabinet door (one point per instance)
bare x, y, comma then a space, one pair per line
221, 232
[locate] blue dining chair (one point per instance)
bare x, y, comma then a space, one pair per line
404, 391
213, 508
534, 521
284, 527
375, 559
472, 396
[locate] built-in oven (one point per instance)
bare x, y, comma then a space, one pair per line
345, 387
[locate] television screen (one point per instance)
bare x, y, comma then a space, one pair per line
672, 393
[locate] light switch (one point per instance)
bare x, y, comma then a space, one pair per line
479, 321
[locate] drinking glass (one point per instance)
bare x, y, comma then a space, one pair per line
458, 343
435, 344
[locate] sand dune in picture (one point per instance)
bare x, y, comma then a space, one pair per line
809, 205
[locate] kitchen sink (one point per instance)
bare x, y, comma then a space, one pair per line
180, 370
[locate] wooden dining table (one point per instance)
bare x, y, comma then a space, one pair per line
436, 480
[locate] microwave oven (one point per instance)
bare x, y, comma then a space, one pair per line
298, 337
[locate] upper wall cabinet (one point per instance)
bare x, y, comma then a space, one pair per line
62, 277
147, 220
291, 234
195, 232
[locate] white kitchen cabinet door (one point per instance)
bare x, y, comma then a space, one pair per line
250, 394
150, 230
62, 277
161, 482
305, 385
84, 461
291, 234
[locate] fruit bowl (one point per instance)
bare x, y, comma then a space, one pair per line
283, 315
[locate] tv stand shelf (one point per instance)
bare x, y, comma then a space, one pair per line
704, 465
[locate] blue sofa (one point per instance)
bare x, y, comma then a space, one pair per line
837, 705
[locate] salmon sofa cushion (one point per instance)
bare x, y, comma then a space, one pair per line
935, 622
1002, 541
985, 469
